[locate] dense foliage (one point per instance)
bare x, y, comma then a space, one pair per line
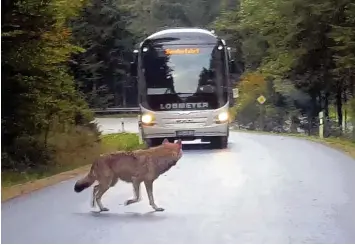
61, 57
38, 92
304, 53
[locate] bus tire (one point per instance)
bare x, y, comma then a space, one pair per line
224, 142
152, 142
219, 142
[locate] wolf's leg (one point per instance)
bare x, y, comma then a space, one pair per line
114, 181
102, 188
94, 193
136, 187
149, 187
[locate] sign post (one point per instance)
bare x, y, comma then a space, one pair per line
261, 99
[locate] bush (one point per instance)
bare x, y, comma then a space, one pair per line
79, 146
31, 158
26, 152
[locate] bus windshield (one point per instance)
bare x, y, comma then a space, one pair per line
185, 77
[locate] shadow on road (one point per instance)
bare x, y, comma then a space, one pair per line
148, 216
204, 147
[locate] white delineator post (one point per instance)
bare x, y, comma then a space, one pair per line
122, 125
321, 124
140, 130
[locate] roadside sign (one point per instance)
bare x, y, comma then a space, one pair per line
321, 114
261, 99
235, 93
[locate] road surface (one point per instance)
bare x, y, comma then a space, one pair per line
262, 189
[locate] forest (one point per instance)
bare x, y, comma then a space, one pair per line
61, 58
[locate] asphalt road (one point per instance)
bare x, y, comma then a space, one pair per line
262, 189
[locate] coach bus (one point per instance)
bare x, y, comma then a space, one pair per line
184, 89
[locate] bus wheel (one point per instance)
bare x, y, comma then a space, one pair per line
220, 142
153, 142
224, 142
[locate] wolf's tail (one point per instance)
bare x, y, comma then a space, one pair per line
85, 182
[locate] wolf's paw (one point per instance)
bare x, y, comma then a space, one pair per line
104, 210
159, 209
130, 201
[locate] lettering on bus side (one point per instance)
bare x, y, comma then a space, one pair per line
170, 106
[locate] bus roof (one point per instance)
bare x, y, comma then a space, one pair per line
180, 30
195, 35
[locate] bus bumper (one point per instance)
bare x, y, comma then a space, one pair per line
185, 133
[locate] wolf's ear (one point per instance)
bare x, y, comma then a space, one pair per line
165, 141
179, 142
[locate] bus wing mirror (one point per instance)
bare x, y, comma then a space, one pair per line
133, 69
232, 68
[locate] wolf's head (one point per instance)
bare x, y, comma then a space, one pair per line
175, 148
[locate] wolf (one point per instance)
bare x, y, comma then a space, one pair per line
144, 165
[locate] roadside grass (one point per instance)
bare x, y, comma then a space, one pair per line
341, 144
117, 115
74, 156
120, 141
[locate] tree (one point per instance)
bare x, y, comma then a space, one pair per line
37, 88
100, 71
305, 48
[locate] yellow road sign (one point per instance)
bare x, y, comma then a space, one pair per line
235, 93
261, 99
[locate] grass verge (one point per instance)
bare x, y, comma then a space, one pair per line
341, 144
68, 164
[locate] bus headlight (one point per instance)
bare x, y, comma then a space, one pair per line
147, 119
223, 116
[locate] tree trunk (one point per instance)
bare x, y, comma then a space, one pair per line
326, 105
124, 98
339, 105
345, 112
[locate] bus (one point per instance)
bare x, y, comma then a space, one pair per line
184, 88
